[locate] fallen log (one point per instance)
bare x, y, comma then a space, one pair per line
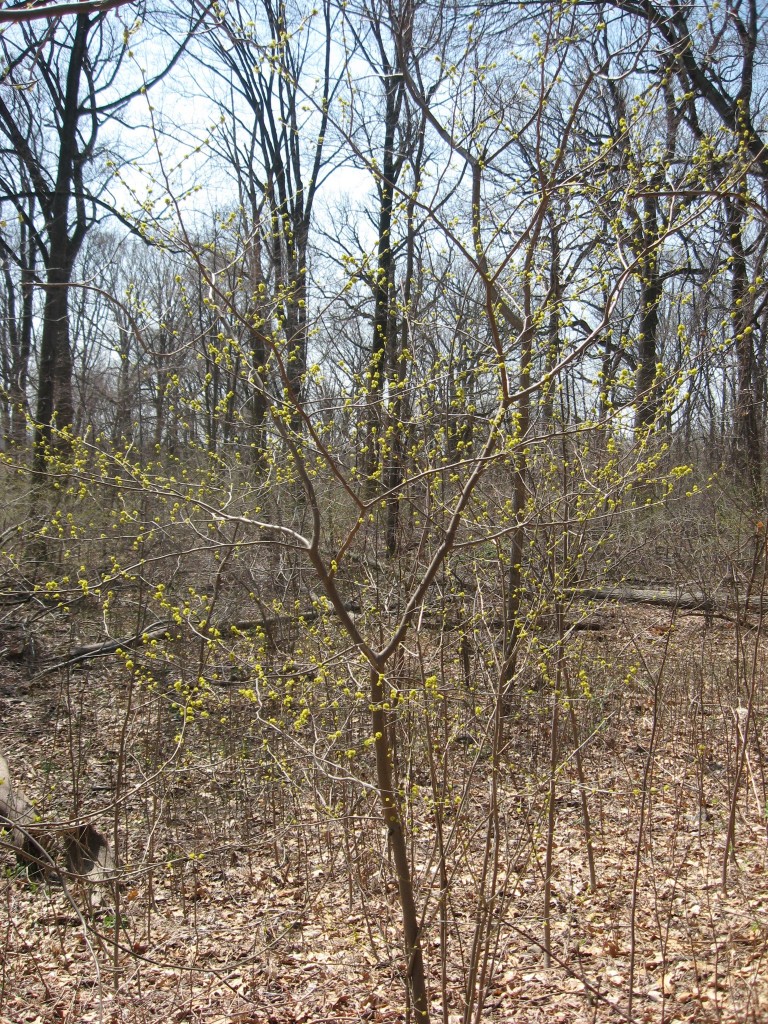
101, 650
690, 598
665, 597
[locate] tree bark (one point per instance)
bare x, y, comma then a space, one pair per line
747, 448
54, 398
397, 843
646, 384
383, 325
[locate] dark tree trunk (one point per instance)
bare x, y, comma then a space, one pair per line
647, 396
747, 448
20, 319
391, 813
553, 328
383, 322
54, 398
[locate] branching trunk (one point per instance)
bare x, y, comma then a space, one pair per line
391, 814
54, 399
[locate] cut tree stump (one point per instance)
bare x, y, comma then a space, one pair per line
86, 851
17, 817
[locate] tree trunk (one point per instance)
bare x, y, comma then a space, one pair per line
54, 388
646, 383
383, 326
747, 448
554, 344
54, 399
397, 843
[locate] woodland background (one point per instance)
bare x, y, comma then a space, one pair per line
383, 403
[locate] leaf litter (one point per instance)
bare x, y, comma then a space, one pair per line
241, 902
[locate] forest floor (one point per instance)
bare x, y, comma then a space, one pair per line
244, 902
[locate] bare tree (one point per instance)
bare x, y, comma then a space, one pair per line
268, 53
62, 76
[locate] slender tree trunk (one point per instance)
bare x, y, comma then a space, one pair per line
519, 498
646, 383
747, 448
393, 476
298, 338
400, 343
553, 327
20, 337
124, 411
415, 973
382, 290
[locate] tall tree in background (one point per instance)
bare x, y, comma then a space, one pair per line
276, 63
389, 136
62, 82
50, 70
20, 258
712, 51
